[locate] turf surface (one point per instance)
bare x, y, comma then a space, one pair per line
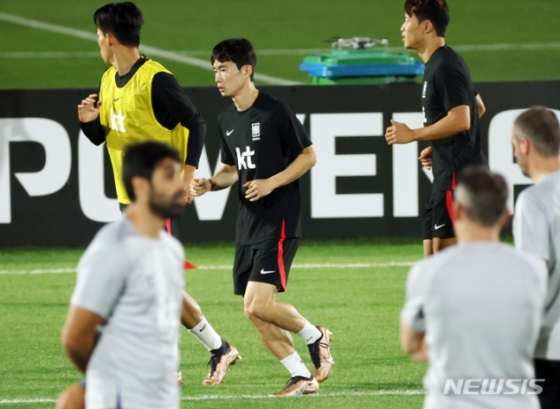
500, 40
506, 40
355, 294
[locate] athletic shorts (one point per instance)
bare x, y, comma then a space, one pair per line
437, 219
549, 371
171, 224
265, 262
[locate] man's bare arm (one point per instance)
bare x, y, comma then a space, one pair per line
259, 188
458, 119
224, 178
480, 105
413, 343
79, 335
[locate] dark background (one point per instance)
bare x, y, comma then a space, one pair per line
57, 220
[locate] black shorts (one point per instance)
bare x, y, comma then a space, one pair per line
171, 224
265, 262
438, 218
549, 371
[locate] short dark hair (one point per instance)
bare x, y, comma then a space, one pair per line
540, 126
140, 159
436, 11
123, 20
482, 194
238, 50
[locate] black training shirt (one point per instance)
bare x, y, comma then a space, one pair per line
171, 106
261, 142
447, 84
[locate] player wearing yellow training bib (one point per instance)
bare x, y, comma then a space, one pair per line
146, 103
127, 116
140, 100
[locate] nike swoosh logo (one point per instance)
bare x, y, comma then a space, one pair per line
228, 133
267, 272
439, 227
202, 329
115, 99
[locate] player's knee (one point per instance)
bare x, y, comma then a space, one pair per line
248, 313
256, 311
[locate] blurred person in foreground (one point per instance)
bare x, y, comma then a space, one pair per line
122, 328
474, 310
536, 229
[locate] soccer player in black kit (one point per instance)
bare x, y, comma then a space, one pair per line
451, 111
266, 149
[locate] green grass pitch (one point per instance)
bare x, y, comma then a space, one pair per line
357, 294
500, 39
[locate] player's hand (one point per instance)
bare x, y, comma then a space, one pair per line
399, 133
423, 352
199, 187
188, 197
88, 110
72, 397
259, 188
426, 158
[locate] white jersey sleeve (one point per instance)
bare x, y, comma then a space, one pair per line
416, 289
102, 274
530, 226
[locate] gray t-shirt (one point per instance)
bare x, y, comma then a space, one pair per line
480, 305
536, 229
136, 284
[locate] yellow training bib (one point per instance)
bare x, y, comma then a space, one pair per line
127, 116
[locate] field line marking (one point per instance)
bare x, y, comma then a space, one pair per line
410, 392
39, 271
322, 265
16, 55
283, 52
18, 401
151, 51
544, 45
229, 267
507, 47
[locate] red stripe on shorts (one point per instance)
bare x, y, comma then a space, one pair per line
449, 198
281, 268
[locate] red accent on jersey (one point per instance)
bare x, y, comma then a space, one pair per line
281, 268
449, 198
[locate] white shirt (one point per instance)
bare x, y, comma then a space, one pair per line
480, 306
536, 229
136, 284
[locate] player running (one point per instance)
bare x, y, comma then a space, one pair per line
141, 100
266, 149
451, 117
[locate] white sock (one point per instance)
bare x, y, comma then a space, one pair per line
295, 365
204, 332
310, 333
